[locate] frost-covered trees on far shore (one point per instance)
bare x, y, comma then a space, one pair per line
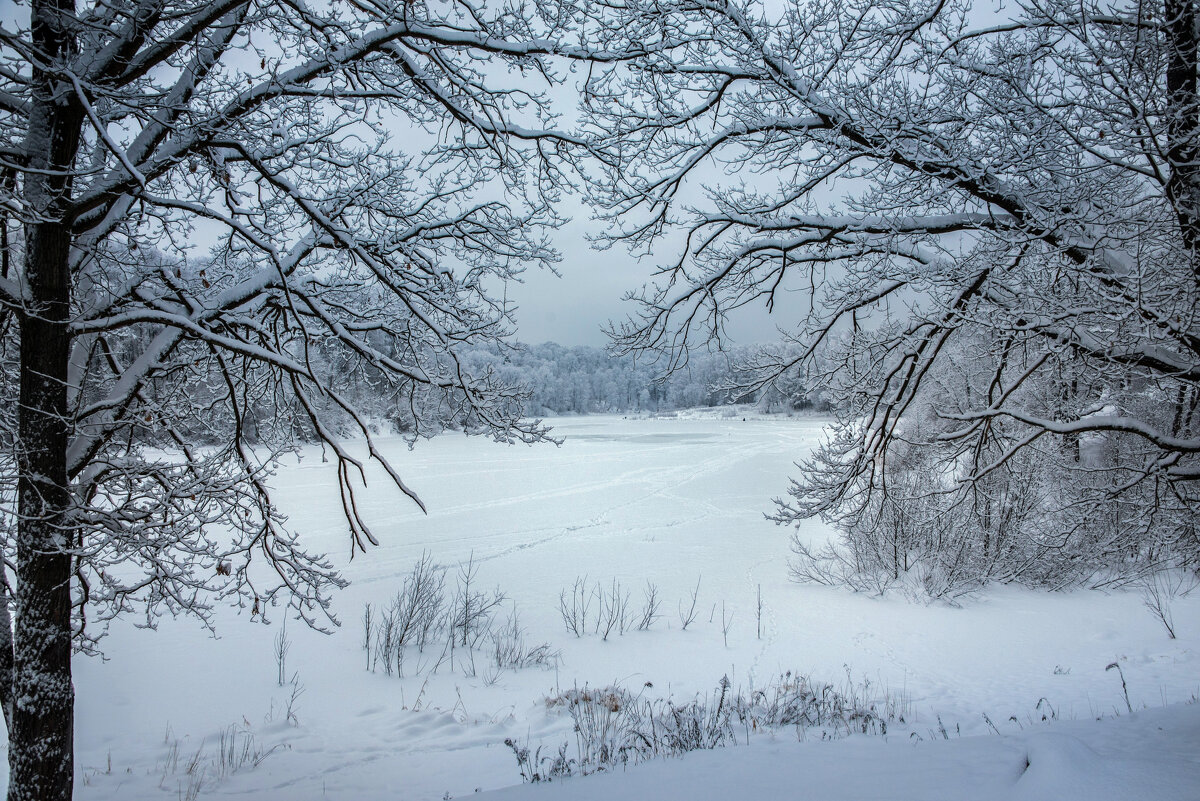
988, 222
552, 380
568, 380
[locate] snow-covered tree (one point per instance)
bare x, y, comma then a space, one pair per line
1003, 200
367, 174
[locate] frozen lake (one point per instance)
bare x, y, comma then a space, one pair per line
674, 502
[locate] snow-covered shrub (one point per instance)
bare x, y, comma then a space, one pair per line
511, 651
573, 606
795, 700
237, 751
686, 618
611, 604
613, 613
1161, 589
537, 768
453, 628
651, 604
471, 609
416, 615
1044, 509
614, 726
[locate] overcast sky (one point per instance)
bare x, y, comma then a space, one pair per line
572, 309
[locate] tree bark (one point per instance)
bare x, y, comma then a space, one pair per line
41, 759
6, 650
1183, 124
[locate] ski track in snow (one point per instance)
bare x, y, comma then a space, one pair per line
652, 486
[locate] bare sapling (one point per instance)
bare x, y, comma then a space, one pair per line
686, 618
651, 605
420, 602
573, 606
292, 707
1161, 588
472, 610
282, 646
758, 609
368, 623
613, 614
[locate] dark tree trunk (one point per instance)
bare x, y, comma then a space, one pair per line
40, 743
6, 650
41, 759
1183, 124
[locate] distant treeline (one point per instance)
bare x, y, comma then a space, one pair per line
583, 380
536, 380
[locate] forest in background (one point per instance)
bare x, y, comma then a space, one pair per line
585, 380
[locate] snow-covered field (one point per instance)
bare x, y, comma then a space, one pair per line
673, 502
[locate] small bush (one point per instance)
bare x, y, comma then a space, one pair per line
650, 607
472, 610
614, 726
537, 768
613, 612
416, 615
510, 651
574, 606
422, 614
1161, 588
237, 751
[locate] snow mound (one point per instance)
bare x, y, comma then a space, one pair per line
1061, 766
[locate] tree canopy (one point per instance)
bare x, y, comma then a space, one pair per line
989, 222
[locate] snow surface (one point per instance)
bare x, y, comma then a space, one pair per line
1151, 755
668, 501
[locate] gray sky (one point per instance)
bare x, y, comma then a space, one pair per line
571, 309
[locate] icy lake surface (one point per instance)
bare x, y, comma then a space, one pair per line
674, 502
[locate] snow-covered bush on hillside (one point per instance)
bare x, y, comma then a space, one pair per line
1050, 510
